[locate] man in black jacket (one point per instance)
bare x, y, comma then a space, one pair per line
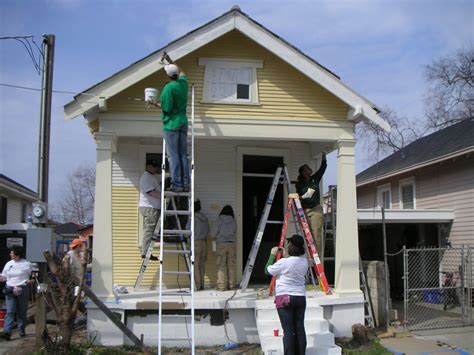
308, 189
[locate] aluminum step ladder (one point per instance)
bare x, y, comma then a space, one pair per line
186, 296
180, 242
281, 177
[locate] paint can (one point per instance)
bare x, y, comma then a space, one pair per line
3, 313
151, 94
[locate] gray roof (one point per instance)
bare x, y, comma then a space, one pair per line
444, 142
6, 178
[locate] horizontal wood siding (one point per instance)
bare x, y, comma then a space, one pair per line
451, 185
13, 211
446, 185
284, 92
215, 185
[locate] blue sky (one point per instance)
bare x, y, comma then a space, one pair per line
378, 47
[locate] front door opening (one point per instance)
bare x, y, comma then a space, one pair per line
258, 174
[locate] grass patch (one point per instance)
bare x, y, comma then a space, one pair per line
373, 347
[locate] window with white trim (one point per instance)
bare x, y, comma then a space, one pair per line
384, 196
407, 194
230, 81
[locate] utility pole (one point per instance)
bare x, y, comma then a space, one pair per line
43, 170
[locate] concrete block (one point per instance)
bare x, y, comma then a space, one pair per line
323, 350
320, 339
102, 331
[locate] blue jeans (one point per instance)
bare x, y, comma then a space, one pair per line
292, 322
16, 305
176, 147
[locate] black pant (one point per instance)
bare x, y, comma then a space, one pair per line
292, 322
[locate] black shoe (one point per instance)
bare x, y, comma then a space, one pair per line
152, 257
186, 189
6, 336
22, 334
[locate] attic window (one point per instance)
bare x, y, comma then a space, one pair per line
230, 81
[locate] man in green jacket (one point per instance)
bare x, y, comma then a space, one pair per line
308, 189
173, 103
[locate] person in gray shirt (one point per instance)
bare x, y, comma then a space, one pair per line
224, 233
201, 231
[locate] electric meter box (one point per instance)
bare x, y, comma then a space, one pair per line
38, 240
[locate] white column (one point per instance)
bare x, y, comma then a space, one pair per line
347, 240
102, 281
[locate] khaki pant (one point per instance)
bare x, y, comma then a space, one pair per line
315, 218
200, 257
150, 219
226, 260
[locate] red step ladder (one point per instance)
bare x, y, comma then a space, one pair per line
294, 204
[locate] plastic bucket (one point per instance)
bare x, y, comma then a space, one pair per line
3, 313
432, 296
151, 94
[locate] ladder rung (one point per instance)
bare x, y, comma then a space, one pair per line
274, 222
176, 232
177, 212
176, 251
171, 193
176, 272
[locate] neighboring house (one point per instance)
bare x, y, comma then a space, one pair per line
15, 201
427, 190
259, 102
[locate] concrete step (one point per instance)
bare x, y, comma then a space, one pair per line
272, 314
274, 345
311, 326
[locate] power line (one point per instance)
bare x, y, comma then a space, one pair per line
25, 41
36, 89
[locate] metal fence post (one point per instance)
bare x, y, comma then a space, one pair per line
405, 284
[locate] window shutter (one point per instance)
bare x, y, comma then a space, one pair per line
407, 196
3, 210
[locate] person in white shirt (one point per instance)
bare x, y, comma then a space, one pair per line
75, 257
16, 273
149, 204
290, 296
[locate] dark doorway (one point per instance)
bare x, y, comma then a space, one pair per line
258, 173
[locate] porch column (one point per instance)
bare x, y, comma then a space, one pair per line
347, 241
102, 282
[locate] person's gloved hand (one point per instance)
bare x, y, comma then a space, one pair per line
308, 194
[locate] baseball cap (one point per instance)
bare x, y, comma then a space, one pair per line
171, 70
75, 243
152, 162
296, 240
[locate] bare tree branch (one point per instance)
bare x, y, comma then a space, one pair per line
379, 143
76, 203
450, 94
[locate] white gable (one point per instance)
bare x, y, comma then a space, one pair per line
361, 108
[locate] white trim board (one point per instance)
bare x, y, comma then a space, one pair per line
361, 108
374, 216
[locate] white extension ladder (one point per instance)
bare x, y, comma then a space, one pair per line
187, 297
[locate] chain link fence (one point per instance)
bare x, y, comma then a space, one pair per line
438, 287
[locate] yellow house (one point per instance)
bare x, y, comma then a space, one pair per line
279, 106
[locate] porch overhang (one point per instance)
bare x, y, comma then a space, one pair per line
374, 216
225, 128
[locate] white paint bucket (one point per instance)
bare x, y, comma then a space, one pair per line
151, 94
